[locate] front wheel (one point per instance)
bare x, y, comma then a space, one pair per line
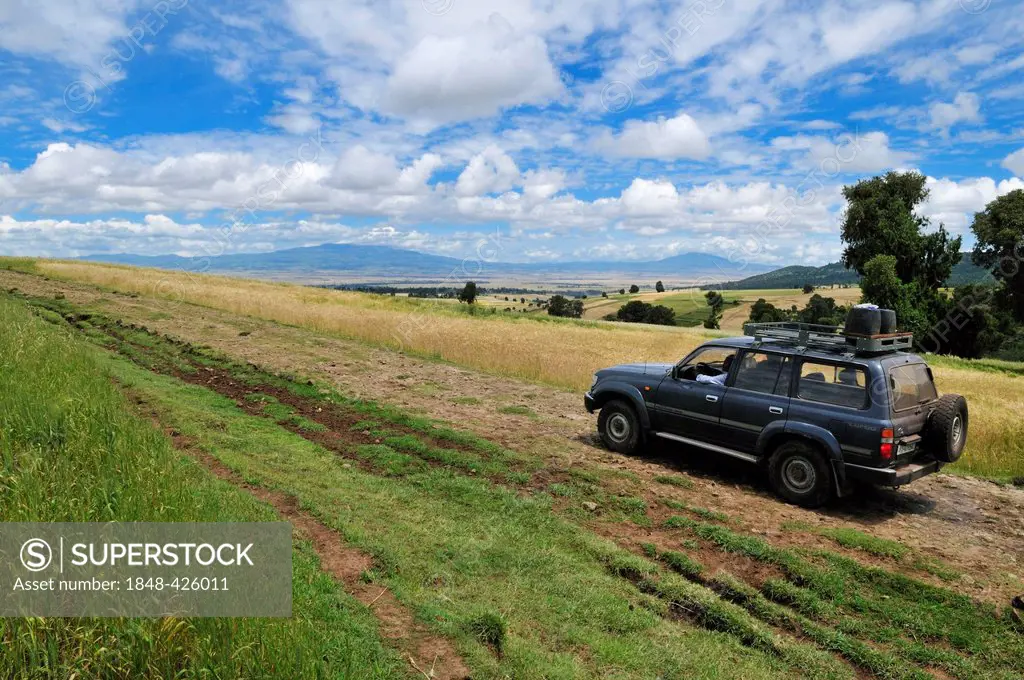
619, 427
800, 474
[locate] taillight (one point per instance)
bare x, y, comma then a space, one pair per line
887, 440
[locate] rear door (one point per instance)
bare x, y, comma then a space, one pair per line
911, 391
757, 397
834, 395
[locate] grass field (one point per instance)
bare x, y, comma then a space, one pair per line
558, 352
490, 548
72, 451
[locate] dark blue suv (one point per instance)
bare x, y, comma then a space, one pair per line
820, 408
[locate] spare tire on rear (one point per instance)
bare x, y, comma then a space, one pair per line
945, 433
863, 321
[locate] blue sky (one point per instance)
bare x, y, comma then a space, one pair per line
578, 129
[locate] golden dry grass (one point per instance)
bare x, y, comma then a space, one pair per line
560, 353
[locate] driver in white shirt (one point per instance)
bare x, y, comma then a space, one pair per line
718, 379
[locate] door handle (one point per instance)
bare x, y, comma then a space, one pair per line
775, 409
710, 397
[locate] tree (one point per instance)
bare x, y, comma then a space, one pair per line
633, 312
634, 289
999, 229
880, 219
661, 315
559, 305
643, 312
622, 291
468, 293
659, 287
763, 311
604, 294
808, 289
822, 310
916, 308
716, 302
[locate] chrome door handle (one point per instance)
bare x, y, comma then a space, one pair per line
710, 397
775, 409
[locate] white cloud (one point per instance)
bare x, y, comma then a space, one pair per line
471, 75
650, 198
1015, 162
489, 171
679, 137
848, 152
965, 108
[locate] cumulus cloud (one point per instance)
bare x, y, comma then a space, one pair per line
679, 137
965, 108
492, 170
1015, 162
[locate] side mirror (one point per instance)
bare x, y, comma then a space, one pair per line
675, 372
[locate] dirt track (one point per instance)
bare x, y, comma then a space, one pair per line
975, 526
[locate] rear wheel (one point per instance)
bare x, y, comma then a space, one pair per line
800, 474
619, 427
946, 430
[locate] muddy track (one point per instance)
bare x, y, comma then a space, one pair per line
975, 526
427, 653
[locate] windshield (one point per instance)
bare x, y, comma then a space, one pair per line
911, 385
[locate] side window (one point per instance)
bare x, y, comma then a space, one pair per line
758, 372
833, 384
711, 361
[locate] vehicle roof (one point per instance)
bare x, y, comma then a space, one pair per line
745, 341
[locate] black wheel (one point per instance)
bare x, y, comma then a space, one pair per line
800, 473
945, 432
619, 427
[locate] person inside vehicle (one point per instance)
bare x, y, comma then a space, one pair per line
721, 377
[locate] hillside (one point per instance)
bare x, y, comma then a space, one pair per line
835, 273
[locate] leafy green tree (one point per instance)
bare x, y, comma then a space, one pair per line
880, 219
822, 310
468, 293
633, 312
999, 229
634, 289
559, 305
643, 312
808, 288
763, 311
716, 302
622, 291
659, 287
661, 315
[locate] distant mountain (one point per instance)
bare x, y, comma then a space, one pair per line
384, 261
835, 273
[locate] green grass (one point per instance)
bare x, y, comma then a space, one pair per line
675, 480
517, 410
464, 553
70, 450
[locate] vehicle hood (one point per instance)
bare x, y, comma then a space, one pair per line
636, 370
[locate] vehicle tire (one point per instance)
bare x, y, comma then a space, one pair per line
945, 433
800, 473
619, 427
864, 321
888, 321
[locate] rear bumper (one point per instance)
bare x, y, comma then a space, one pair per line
897, 476
589, 402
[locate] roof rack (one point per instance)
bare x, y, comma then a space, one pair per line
809, 335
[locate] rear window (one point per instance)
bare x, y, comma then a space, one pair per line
911, 385
833, 384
